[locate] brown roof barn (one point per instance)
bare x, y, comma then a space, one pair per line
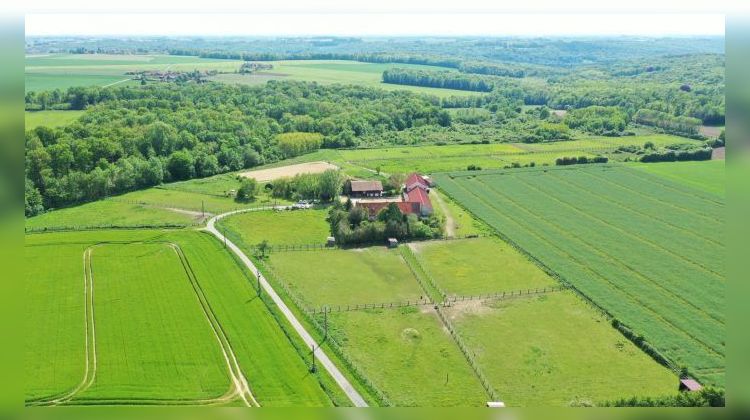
366, 188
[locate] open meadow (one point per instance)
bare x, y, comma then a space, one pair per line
478, 266
645, 248
554, 350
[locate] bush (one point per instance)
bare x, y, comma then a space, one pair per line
248, 190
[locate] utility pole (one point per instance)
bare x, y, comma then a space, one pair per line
312, 367
225, 238
203, 209
325, 323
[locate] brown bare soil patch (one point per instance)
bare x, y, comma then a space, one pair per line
288, 171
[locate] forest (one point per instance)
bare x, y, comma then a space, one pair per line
132, 138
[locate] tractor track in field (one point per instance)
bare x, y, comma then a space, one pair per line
239, 384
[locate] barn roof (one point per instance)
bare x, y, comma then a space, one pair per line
418, 195
363, 186
415, 178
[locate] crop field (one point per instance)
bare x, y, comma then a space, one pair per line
346, 277
479, 266
704, 175
647, 249
199, 335
338, 71
290, 227
61, 71
35, 119
554, 350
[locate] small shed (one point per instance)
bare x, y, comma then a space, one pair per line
392, 242
495, 404
331, 242
690, 385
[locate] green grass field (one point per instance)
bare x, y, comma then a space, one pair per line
346, 277
152, 339
61, 71
644, 247
455, 157
108, 213
554, 350
307, 226
337, 71
706, 175
478, 266
66, 70
34, 119
409, 356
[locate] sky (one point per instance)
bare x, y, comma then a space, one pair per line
384, 17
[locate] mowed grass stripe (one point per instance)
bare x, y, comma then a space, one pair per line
625, 198
556, 222
661, 242
677, 343
153, 341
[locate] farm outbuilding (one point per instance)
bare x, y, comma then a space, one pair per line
690, 385
392, 243
365, 188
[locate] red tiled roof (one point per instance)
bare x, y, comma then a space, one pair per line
415, 178
418, 195
375, 208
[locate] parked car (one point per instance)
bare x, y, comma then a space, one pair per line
303, 204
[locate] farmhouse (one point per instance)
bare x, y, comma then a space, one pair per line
365, 188
414, 198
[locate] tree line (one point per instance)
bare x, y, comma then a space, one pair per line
135, 137
437, 79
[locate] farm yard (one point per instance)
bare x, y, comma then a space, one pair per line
643, 247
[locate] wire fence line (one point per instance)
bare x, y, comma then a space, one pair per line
333, 344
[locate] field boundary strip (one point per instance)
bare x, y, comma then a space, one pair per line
625, 330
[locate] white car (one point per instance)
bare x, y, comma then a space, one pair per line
302, 205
